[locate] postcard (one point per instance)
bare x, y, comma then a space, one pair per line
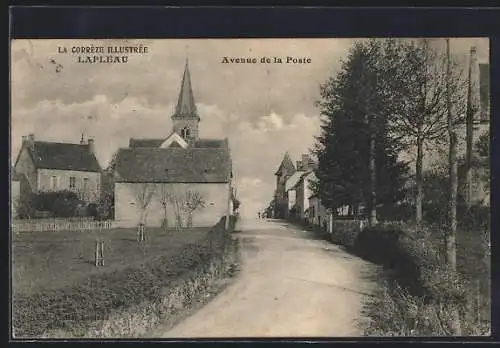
246, 188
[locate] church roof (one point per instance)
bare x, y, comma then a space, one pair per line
286, 165
154, 143
174, 165
186, 105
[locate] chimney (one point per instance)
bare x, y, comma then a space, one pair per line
474, 98
30, 140
90, 145
305, 162
299, 165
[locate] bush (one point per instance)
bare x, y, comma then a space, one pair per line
59, 203
25, 207
345, 232
426, 289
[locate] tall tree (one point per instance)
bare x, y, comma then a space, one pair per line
418, 87
356, 156
413, 81
451, 249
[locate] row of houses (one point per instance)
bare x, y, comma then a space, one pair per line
180, 163
294, 197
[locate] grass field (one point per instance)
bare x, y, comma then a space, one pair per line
52, 260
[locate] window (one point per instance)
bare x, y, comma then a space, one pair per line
185, 132
85, 183
72, 182
53, 182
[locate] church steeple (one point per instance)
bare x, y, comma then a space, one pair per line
186, 117
186, 105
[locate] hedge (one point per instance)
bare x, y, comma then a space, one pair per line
104, 294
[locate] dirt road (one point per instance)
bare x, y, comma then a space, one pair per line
291, 285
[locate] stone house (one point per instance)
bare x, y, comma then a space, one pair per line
284, 172
156, 179
302, 166
50, 166
303, 192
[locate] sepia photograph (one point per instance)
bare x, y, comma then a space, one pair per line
250, 188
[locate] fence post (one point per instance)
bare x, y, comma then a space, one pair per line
99, 252
102, 252
96, 252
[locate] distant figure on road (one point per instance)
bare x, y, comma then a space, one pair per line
258, 214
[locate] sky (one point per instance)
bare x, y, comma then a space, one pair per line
263, 109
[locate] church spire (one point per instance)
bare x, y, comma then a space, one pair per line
186, 105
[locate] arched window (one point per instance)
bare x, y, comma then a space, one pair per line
185, 132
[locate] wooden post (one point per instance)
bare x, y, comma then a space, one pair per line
228, 213
330, 222
99, 252
102, 252
96, 252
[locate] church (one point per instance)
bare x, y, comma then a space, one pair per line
156, 178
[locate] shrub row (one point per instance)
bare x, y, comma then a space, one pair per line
101, 295
426, 290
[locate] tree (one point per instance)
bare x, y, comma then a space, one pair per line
451, 248
357, 158
193, 201
417, 84
107, 199
165, 193
144, 193
177, 200
483, 151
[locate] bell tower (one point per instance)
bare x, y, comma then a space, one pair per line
186, 119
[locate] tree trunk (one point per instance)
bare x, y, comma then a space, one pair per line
372, 204
451, 252
468, 157
419, 181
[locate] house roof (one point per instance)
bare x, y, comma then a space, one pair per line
156, 165
154, 143
484, 90
63, 156
286, 165
293, 180
303, 176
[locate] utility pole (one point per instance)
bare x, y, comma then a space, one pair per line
451, 249
472, 115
